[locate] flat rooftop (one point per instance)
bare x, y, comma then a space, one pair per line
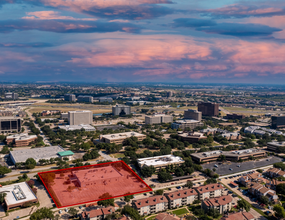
21, 137
277, 144
18, 193
186, 121
122, 135
159, 160
79, 111
76, 127
36, 153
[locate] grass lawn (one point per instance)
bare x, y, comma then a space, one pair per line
118, 155
180, 211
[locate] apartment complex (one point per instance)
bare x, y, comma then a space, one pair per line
211, 191
10, 124
186, 123
70, 97
121, 110
193, 114
85, 98
275, 172
158, 119
238, 216
160, 161
208, 109
259, 190
246, 179
120, 137
150, 205
278, 121
20, 140
97, 213
223, 204
230, 155
80, 117
11, 95
181, 197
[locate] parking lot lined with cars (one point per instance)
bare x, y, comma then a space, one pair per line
235, 167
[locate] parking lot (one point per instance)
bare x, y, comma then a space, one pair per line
224, 169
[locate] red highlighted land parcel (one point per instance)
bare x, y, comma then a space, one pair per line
80, 185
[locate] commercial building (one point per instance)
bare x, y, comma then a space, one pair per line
208, 109
150, 205
64, 116
80, 117
230, 155
10, 124
238, 216
192, 137
77, 127
158, 119
169, 94
50, 112
235, 116
11, 95
181, 197
160, 161
223, 204
274, 145
256, 130
232, 136
120, 137
105, 99
121, 110
18, 194
20, 156
85, 98
20, 140
183, 124
193, 114
211, 191
70, 97
278, 121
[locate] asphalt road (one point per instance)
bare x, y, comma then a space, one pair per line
224, 169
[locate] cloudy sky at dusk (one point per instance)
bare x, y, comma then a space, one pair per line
185, 41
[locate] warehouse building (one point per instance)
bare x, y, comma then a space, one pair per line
120, 137
160, 161
20, 156
18, 194
20, 140
158, 119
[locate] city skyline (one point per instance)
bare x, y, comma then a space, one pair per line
174, 41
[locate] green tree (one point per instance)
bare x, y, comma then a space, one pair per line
42, 213
158, 192
264, 200
213, 212
128, 198
280, 188
72, 211
133, 213
30, 163
163, 176
4, 170
244, 205
210, 180
147, 171
2, 197
279, 211
189, 184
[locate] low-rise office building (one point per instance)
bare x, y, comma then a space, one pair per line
181, 197
85, 98
160, 161
20, 156
77, 127
230, 155
20, 140
278, 121
10, 124
158, 119
185, 123
274, 145
193, 114
11, 95
232, 136
192, 137
120, 137
235, 116
150, 205
211, 191
70, 97
105, 99
223, 204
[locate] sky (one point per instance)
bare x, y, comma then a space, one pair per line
181, 41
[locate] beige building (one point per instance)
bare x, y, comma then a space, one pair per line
20, 140
193, 114
275, 172
80, 117
150, 205
158, 119
192, 137
181, 197
223, 204
211, 191
120, 137
185, 123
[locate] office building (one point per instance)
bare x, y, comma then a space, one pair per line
278, 121
120, 137
185, 123
223, 204
11, 95
160, 161
121, 110
105, 99
235, 116
158, 119
169, 94
181, 198
230, 155
20, 140
80, 117
150, 205
77, 127
193, 114
10, 124
20, 156
211, 191
18, 194
208, 109
85, 98
69, 97
64, 116
192, 137
275, 145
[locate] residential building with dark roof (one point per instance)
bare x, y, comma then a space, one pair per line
150, 205
181, 197
223, 204
275, 172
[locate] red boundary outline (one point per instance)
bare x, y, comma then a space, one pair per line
71, 168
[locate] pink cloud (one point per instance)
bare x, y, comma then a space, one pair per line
52, 15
